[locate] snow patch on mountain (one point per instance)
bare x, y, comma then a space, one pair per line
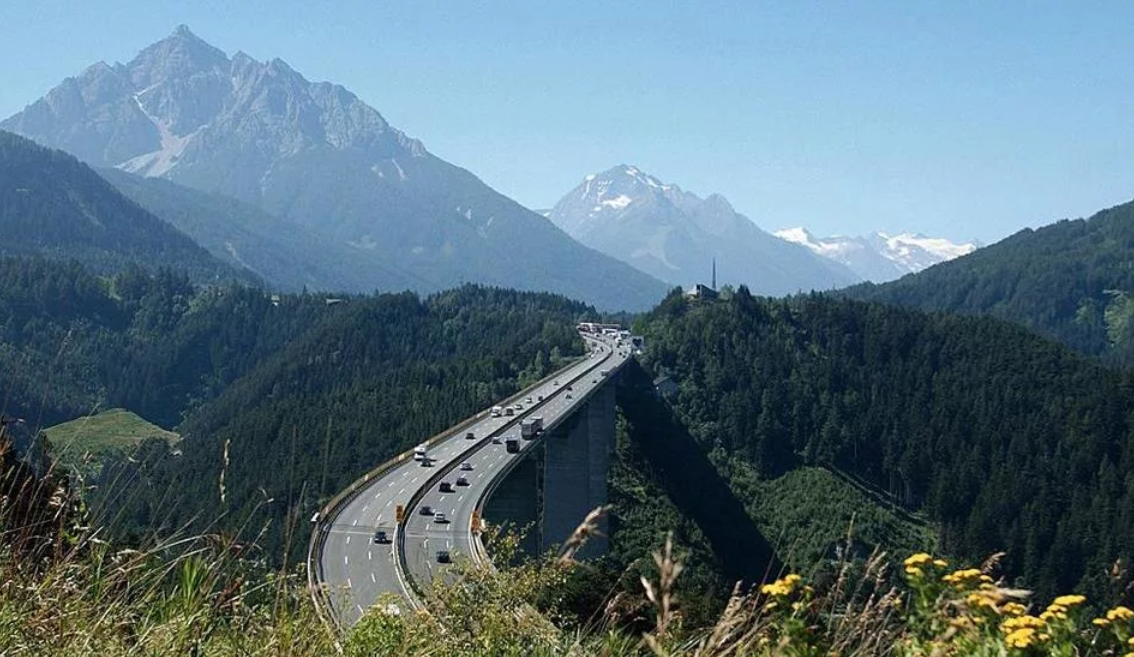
159, 162
619, 202
907, 243
880, 257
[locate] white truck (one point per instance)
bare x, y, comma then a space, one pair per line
496, 411
421, 452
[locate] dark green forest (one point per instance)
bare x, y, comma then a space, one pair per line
1003, 440
303, 392
1071, 280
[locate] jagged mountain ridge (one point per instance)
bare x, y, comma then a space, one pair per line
879, 257
674, 235
315, 154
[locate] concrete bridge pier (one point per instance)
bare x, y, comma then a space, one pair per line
555, 486
575, 466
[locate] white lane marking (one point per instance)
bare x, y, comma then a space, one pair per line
359, 608
365, 507
460, 498
372, 578
346, 561
348, 583
348, 539
370, 555
355, 521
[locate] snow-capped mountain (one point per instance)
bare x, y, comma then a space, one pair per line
879, 257
313, 153
675, 235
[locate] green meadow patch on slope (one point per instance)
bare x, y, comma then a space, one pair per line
86, 441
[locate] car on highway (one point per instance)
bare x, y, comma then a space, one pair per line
470, 435
496, 440
569, 388
440, 518
445, 487
465, 465
426, 462
462, 481
528, 400
443, 556
381, 536
426, 510
569, 396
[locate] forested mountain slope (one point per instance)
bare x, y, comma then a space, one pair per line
291, 398
1003, 439
1071, 280
53, 205
289, 257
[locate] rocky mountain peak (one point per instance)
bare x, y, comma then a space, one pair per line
674, 235
180, 55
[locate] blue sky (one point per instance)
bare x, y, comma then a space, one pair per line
959, 119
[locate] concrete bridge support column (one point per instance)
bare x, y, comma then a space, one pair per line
575, 469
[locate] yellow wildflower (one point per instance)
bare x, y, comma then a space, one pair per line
1100, 622
1130, 641
782, 586
1020, 622
915, 572
1013, 608
940, 563
1069, 600
1049, 615
1021, 638
961, 577
1119, 613
919, 559
978, 600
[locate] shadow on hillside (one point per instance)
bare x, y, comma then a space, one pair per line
691, 481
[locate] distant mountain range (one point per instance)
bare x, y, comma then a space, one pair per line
879, 257
53, 206
675, 235
315, 155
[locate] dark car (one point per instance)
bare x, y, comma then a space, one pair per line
426, 510
470, 435
445, 487
462, 481
443, 556
381, 536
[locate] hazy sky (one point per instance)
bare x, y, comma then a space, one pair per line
959, 119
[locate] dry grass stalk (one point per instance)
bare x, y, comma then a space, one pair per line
583, 533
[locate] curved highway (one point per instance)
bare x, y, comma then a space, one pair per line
356, 569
